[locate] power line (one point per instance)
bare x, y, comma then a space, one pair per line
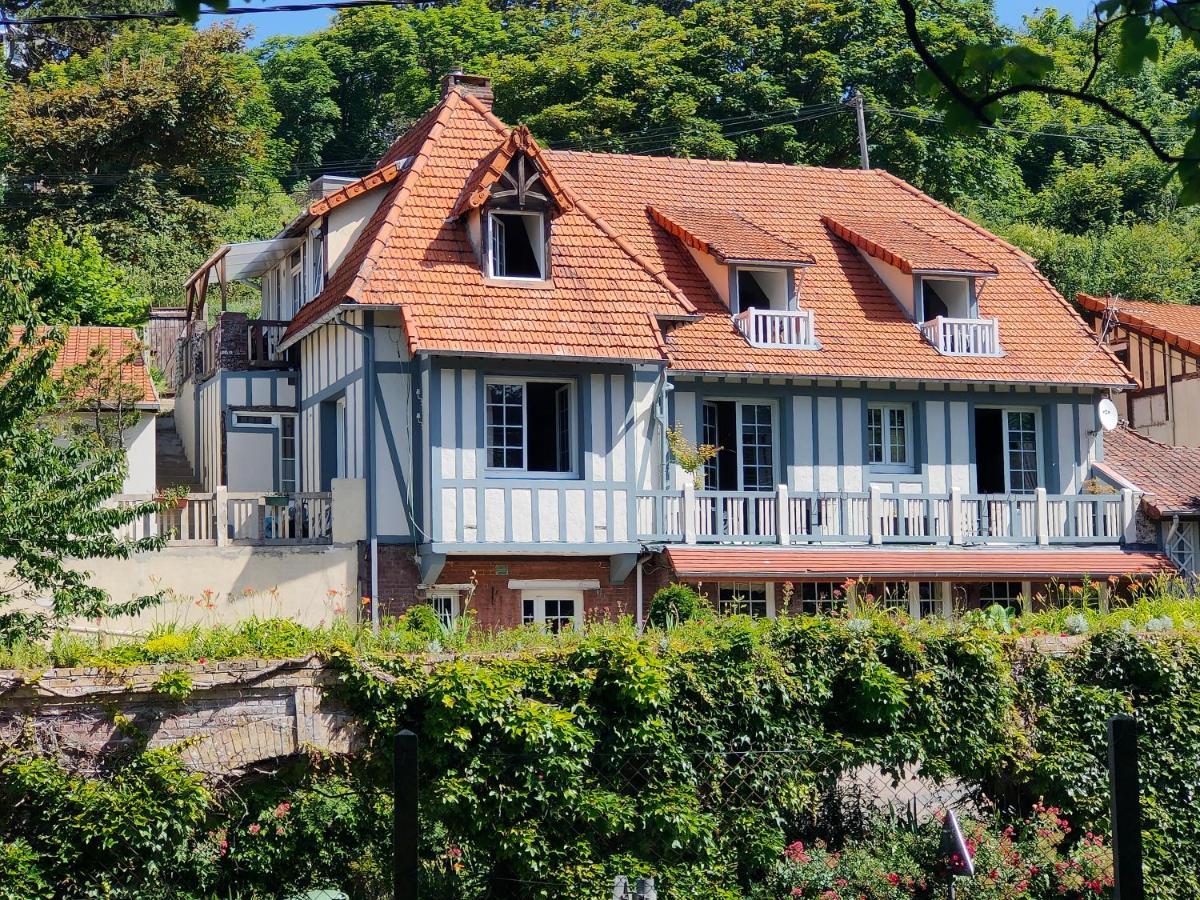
172, 15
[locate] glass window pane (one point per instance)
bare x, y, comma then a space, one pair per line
874, 435
757, 452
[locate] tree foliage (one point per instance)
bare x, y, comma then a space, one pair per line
54, 487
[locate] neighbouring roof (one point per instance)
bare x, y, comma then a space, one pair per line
118, 342
1175, 323
800, 564
617, 272
906, 246
727, 235
1167, 476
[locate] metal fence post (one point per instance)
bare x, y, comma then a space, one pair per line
405, 827
1128, 881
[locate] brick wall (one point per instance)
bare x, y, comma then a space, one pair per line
496, 604
233, 347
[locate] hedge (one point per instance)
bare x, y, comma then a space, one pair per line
699, 755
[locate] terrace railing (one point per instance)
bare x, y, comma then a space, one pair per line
877, 516
777, 328
223, 517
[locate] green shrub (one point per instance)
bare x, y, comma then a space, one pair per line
674, 604
422, 620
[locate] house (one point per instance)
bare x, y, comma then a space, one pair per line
1160, 344
117, 383
1168, 480
496, 338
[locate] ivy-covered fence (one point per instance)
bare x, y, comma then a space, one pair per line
705, 755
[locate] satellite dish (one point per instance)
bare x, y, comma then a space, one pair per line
1106, 411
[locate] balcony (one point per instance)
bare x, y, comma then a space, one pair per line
785, 517
777, 328
235, 344
963, 337
225, 518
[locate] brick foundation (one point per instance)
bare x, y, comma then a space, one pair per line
496, 604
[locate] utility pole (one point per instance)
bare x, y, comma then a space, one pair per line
860, 113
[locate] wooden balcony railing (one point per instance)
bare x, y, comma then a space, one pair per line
692, 516
963, 337
262, 343
222, 517
777, 328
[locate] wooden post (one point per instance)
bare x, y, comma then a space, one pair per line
1041, 517
689, 511
782, 515
956, 515
221, 514
875, 513
406, 828
1128, 881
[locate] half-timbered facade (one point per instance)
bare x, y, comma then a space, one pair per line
497, 338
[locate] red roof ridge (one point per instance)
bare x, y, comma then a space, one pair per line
1131, 319
974, 226
385, 174
334, 293
518, 140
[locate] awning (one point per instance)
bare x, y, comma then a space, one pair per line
925, 563
236, 262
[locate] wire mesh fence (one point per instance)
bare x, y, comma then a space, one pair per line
746, 824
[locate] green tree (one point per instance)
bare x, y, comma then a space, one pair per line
54, 488
73, 279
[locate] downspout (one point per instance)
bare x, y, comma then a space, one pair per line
368, 336
664, 388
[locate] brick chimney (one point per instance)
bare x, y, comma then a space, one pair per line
477, 86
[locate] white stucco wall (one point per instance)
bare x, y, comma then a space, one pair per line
140, 451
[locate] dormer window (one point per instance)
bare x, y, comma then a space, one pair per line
950, 298
516, 244
768, 289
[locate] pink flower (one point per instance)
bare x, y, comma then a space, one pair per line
255, 828
282, 810
893, 878
278, 829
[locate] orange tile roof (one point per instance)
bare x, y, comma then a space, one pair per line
615, 269
906, 246
1176, 323
1168, 476
799, 564
385, 174
519, 140
118, 342
727, 235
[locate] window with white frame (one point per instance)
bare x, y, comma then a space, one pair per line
445, 604
745, 432
516, 241
1006, 451
285, 426
889, 441
316, 256
761, 289
1005, 593
748, 598
929, 600
530, 424
296, 263
555, 611
821, 597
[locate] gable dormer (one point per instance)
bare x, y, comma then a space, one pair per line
936, 283
754, 271
509, 204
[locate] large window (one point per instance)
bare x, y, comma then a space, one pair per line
296, 264
821, 597
745, 432
554, 611
516, 245
889, 441
1006, 451
529, 425
761, 289
745, 598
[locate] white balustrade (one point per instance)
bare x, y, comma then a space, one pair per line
777, 328
963, 337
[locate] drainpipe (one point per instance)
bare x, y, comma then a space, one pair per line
664, 387
368, 336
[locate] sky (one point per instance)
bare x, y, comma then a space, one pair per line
270, 24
